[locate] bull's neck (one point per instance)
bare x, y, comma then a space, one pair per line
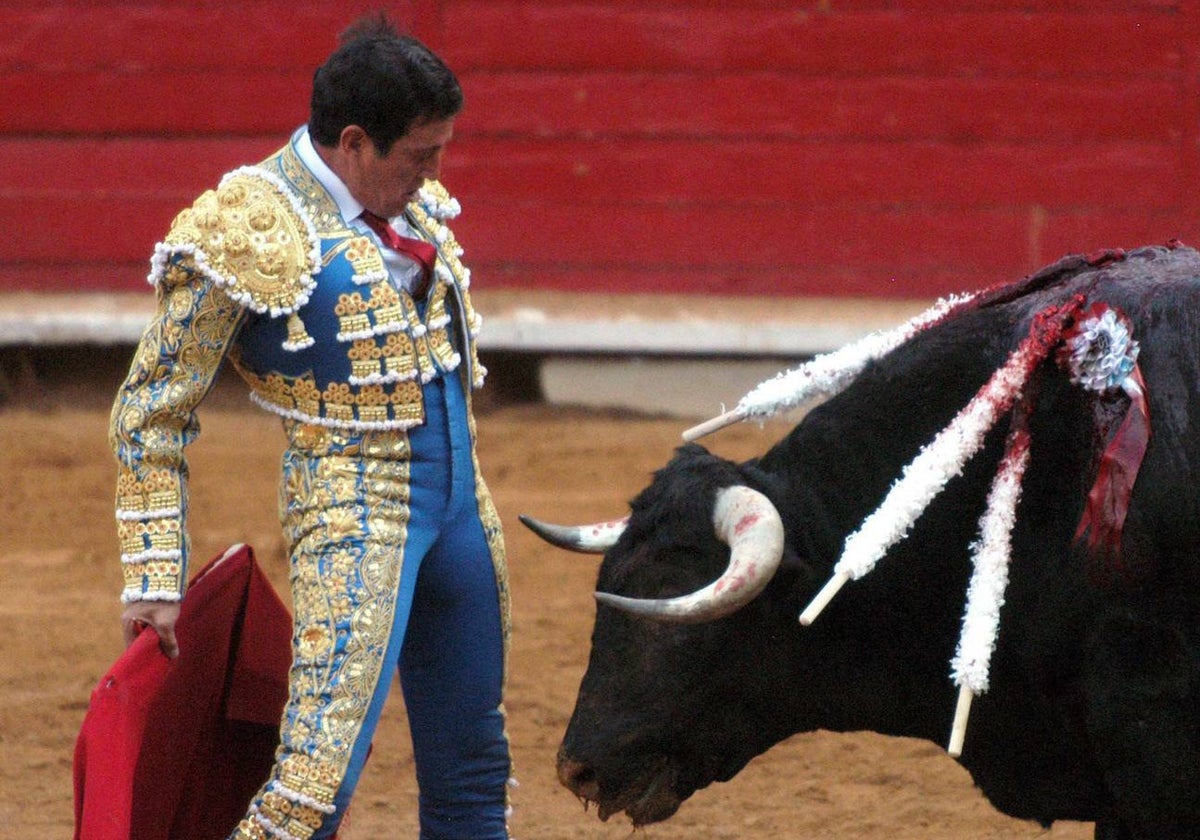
878, 656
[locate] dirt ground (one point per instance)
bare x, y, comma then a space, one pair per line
59, 581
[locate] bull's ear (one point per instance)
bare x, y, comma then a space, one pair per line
596, 538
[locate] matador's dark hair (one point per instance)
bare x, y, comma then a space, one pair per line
382, 81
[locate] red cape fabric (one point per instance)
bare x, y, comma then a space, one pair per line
175, 750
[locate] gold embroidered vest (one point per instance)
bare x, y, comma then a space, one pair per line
328, 339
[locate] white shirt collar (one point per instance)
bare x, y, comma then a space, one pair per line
405, 270
348, 205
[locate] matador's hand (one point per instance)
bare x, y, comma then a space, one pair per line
160, 615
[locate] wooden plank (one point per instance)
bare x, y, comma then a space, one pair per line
1062, 233
616, 105
894, 281
656, 37
752, 176
874, 267
124, 227
159, 103
967, 239
124, 168
684, 6
761, 174
498, 232
130, 212
824, 8
1115, 41
941, 6
890, 266
768, 104
58, 228
1189, 105
769, 282
76, 276
424, 19
263, 35
879, 148
733, 239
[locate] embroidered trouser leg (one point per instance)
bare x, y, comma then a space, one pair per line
383, 548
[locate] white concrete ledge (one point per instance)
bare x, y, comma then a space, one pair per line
550, 323
67, 319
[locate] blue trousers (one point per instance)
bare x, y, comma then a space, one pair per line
353, 520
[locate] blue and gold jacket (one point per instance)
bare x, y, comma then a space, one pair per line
264, 271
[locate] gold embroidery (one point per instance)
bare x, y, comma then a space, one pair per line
350, 304
388, 343
307, 437
346, 549
177, 273
423, 362
298, 337
365, 258
157, 490
373, 396
320, 205
373, 413
439, 336
253, 240
362, 368
436, 312
351, 310
140, 535
250, 830
162, 576
398, 356
304, 395
152, 423
383, 447
180, 304
313, 644
377, 406
318, 780
385, 301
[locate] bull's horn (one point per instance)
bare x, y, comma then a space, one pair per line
750, 524
588, 539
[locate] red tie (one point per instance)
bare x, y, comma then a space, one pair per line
418, 250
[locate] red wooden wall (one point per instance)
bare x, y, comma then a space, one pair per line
868, 147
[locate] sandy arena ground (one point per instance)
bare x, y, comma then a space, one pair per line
59, 581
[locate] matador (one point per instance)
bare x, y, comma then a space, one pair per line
396, 552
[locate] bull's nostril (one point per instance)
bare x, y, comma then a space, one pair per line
579, 778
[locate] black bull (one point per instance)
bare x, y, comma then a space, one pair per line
1093, 711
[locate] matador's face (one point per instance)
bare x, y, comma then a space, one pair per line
386, 183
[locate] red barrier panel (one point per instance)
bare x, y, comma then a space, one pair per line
872, 149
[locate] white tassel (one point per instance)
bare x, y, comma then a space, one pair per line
989, 581
929, 473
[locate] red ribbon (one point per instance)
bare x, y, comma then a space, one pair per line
418, 250
1103, 519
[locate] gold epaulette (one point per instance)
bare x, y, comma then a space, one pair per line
437, 202
251, 237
